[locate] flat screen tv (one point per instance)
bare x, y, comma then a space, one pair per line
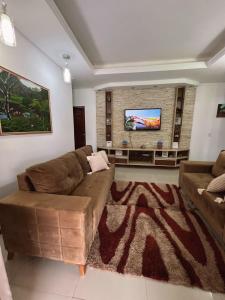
142, 119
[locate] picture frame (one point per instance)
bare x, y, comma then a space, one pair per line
220, 111
24, 105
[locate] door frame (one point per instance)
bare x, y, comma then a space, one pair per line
74, 107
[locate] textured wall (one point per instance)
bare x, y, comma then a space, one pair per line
187, 120
154, 97
18, 152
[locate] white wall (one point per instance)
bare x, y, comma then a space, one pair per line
87, 98
208, 132
19, 152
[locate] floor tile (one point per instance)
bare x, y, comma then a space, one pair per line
218, 296
20, 293
102, 285
48, 276
15, 266
147, 174
160, 291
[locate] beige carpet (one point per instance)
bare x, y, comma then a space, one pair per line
147, 230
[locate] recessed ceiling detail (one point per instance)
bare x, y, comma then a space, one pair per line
128, 41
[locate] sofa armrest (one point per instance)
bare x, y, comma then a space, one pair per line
188, 166
53, 226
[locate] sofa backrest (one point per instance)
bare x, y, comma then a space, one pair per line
57, 176
60, 175
82, 154
219, 166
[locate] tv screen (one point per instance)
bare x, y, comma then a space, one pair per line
142, 119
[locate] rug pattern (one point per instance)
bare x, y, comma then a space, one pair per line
146, 229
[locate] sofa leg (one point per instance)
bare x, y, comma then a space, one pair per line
10, 255
82, 269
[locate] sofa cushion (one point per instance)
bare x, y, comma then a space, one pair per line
217, 185
219, 166
82, 157
214, 212
96, 186
87, 150
57, 176
197, 180
103, 154
97, 163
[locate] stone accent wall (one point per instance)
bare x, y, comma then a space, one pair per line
153, 97
100, 118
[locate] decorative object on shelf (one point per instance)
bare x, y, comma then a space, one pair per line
165, 154
124, 143
7, 31
159, 144
108, 115
118, 152
66, 70
221, 111
175, 145
109, 144
24, 105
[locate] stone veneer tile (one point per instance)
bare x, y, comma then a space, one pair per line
153, 97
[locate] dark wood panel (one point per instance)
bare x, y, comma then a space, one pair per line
79, 126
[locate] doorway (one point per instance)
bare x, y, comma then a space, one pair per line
79, 126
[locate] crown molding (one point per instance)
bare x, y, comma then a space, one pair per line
68, 31
140, 68
215, 58
175, 81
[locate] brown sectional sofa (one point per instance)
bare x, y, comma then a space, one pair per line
194, 175
55, 213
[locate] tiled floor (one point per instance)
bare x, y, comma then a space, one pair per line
40, 279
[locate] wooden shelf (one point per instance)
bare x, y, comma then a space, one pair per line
146, 157
178, 115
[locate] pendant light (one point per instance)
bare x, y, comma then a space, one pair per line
66, 70
7, 31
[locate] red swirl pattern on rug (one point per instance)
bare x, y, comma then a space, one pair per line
146, 229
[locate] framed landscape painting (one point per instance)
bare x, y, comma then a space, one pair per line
24, 105
221, 111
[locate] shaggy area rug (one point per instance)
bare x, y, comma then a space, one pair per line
147, 230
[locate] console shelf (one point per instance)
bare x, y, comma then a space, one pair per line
149, 157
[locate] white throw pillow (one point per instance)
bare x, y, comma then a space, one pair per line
217, 185
97, 163
103, 155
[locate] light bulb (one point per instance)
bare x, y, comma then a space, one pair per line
67, 75
7, 31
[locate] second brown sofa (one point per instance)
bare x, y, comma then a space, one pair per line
196, 175
55, 213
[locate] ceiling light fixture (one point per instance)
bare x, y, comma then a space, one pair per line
7, 31
66, 70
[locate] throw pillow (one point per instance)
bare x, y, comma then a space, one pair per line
217, 185
219, 166
97, 163
103, 154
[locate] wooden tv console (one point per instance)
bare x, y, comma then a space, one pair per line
149, 157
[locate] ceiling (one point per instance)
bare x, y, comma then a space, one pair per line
127, 31
128, 40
